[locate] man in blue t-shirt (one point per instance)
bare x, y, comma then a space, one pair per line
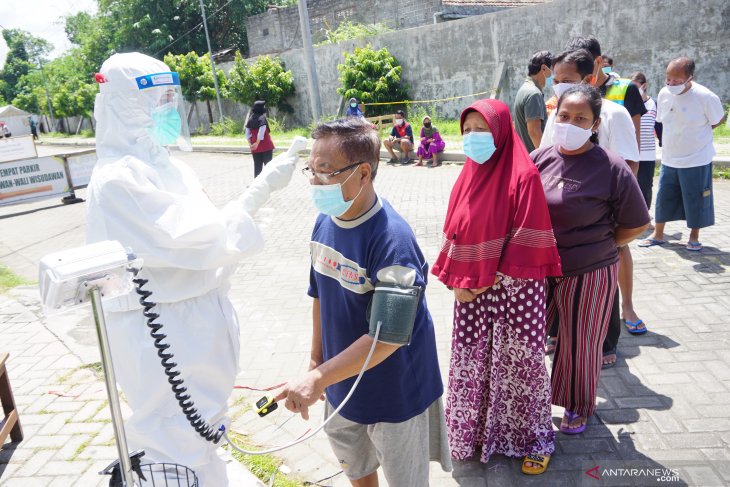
359, 242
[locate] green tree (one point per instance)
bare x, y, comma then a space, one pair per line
372, 77
265, 79
25, 53
156, 25
92, 37
71, 91
31, 96
196, 79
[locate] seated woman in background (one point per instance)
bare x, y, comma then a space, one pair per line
353, 109
431, 143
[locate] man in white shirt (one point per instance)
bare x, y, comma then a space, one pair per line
689, 112
616, 133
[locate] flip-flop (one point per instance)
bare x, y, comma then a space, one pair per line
541, 460
633, 327
572, 417
650, 242
694, 246
610, 364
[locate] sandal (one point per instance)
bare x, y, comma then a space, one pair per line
608, 365
650, 242
694, 246
542, 463
551, 345
571, 416
633, 327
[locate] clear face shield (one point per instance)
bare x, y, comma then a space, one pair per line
169, 122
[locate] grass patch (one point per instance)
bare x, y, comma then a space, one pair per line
83, 447
262, 466
9, 280
718, 172
94, 367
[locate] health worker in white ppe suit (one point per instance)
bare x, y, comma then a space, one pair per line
156, 206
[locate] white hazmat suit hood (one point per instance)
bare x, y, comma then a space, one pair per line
124, 112
156, 206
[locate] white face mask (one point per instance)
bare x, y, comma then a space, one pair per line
676, 89
561, 88
570, 137
399, 121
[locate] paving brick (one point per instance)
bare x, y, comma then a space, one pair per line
665, 402
55, 468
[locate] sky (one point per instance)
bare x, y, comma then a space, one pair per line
42, 19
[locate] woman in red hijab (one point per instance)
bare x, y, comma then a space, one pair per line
498, 248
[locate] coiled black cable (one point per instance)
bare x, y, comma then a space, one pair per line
173, 376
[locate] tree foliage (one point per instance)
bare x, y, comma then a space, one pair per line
196, 78
155, 25
25, 53
265, 79
372, 77
92, 37
70, 91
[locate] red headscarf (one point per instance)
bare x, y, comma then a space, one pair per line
498, 218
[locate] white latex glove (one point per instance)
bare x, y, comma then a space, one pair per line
275, 175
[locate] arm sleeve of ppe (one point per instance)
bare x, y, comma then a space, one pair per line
262, 132
174, 230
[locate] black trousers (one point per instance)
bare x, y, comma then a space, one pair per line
645, 177
260, 159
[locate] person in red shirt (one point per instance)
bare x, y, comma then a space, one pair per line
259, 137
401, 139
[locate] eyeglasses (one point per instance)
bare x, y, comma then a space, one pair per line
327, 177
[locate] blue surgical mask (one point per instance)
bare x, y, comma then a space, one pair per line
166, 125
607, 69
479, 146
549, 81
353, 105
328, 199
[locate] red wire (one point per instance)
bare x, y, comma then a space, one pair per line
260, 390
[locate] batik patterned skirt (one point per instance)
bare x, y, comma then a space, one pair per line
499, 389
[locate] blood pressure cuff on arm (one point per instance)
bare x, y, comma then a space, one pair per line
394, 306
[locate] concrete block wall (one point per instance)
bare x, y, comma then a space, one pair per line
459, 57
277, 29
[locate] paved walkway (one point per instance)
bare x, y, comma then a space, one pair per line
663, 407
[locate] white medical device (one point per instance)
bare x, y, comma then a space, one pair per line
65, 278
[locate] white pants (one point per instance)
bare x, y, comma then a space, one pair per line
203, 335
